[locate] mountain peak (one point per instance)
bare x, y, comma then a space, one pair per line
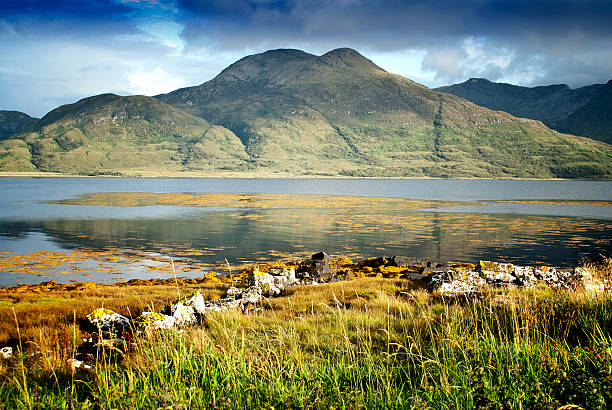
347, 57
343, 51
478, 80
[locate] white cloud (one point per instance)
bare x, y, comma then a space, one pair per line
155, 81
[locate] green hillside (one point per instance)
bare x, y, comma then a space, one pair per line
14, 122
287, 112
585, 111
109, 134
340, 114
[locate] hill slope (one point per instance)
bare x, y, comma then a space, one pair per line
14, 122
111, 134
585, 111
340, 114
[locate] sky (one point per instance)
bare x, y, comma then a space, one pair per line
54, 52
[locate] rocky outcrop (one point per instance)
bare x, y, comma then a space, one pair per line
449, 281
469, 283
105, 320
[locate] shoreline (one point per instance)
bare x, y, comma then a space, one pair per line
269, 176
338, 268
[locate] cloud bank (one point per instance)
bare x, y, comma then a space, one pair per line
56, 51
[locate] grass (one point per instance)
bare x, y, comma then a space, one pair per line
375, 343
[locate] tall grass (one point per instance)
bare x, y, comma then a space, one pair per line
340, 346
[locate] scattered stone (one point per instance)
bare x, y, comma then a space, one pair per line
400, 261
453, 284
150, 321
6, 353
450, 281
108, 321
321, 256
270, 285
316, 270
78, 364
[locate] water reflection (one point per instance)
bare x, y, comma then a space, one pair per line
208, 229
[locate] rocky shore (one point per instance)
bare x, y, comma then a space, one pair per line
245, 290
452, 281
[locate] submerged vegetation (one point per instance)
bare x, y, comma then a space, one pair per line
369, 342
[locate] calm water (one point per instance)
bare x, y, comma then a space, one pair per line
551, 230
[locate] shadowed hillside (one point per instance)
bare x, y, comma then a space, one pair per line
585, 111
14, 122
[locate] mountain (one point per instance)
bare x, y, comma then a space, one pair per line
109, 134
585, 111
287, 112
340, 114
14, 122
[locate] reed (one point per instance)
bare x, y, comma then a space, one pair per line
373, 343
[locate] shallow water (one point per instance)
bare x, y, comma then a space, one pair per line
140, 228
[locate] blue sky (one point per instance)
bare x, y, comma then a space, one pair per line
54, 52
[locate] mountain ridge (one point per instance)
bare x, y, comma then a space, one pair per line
107, 133
291, 113
14, 122
584, 111
382, 123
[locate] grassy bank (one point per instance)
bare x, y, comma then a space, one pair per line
364, 343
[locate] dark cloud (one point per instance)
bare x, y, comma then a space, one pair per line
84, 10
52, 50
557, 31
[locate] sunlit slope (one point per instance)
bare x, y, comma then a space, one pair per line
112, 134
340, 114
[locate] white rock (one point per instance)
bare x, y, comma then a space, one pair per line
6, 352
187, 310
105, 319
184, 315
154, 321
78, 364
269, 284
195, 300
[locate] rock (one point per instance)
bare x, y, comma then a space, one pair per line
284, 278
596, 273
588, 281
451, 284
315, 271
321, 256
269, 285
428, 270
373, 262
400, 261
6, 353
251, 296
108, 321
78, 364
489, 267
525, 276
501, 279
194, 300
187, 310
437, 265
233, 292
184, 315
149, 321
